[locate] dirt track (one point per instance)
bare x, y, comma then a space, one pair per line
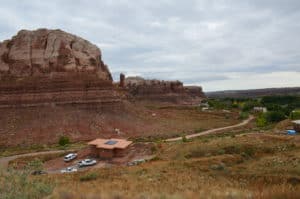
5, 160
212, 130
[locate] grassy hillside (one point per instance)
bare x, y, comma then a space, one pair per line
252, 165
235, 165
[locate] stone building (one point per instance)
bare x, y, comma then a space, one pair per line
109, 148
296, 124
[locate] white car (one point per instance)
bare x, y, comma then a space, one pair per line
136, 162
68, 170
70, 156
86, 162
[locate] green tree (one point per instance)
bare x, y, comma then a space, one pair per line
295, 115
261, 120
64, 140
275, 116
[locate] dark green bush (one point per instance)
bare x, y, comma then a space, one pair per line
249, 105
274, 116
63, 141
244, 115
89, 176
184, 139
249, 151
295, 115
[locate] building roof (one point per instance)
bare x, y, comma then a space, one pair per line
296, 121
110, 143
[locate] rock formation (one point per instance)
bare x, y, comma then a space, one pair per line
42, 52
163, 91
122, 80
52, 66
53, 83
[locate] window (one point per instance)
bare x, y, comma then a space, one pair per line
111, 142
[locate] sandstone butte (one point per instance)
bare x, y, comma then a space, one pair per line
53, 83
46, 66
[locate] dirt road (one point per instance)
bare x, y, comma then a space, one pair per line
5, 160
212, 130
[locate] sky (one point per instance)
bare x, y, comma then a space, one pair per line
216, 44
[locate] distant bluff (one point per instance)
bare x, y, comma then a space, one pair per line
163, 91
43, 52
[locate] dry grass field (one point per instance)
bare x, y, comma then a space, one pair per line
233, 165
137, 123
240, 166
242, 163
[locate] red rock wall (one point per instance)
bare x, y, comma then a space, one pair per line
163, 91
53, 83
52, 67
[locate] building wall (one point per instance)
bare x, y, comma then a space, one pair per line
105, 153
93, 151
120, 152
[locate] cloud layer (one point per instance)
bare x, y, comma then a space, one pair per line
224, 44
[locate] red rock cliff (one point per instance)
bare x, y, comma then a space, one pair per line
52, 66
163, 91
43, 52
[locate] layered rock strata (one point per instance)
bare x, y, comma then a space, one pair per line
163, 91
52, 67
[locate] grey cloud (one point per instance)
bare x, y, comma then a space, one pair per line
197, 41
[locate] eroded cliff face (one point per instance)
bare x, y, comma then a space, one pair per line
44, 52
53, 83
163, 91
52, 66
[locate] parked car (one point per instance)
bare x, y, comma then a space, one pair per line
87, 162
38, 172
70, 156
68, 170
136, 162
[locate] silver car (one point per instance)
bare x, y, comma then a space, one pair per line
68, 170
87, 162
70, 156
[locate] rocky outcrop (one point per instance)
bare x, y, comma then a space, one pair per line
43, 52
163, 91
52, 66
53, 83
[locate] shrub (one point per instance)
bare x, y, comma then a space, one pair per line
249, 151
261, 121
63, 141
154, 149
295, 115
270, 117
221, 152
35, 164
248, 106
244, 115
217, 167
184, 139
233, 149
89, 176
274, 116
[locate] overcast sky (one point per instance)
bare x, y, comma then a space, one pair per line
218, 44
